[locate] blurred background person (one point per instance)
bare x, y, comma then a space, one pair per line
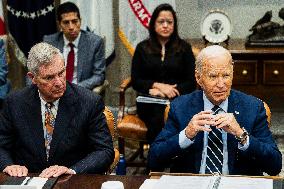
4, 82
162, 66
83, 51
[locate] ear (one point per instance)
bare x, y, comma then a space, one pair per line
32, 77
198, 78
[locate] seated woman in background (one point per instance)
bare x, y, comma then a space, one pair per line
162, 66
4, 83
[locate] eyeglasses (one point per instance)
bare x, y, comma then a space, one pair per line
168, 22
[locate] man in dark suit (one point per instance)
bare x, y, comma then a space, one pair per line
233, 138
89, 61
51, 126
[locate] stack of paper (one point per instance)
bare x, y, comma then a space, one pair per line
207, 182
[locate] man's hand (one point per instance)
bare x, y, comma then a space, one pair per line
228, 123
16, 171
198, 122
55, 171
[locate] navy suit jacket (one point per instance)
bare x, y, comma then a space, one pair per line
91, 57
81, 138
261, 156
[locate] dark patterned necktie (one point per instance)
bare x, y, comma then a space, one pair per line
70, 63
214, 158
49, 125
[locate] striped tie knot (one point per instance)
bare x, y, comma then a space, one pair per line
216, 109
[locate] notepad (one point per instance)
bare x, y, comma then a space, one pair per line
28, 183
212, 182
152, 100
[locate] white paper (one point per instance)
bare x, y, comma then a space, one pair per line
17, 187
38, 182
245, 183
149, 184
210, 182
183, 182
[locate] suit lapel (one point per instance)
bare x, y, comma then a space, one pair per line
82, 49
34, 121
65, 114
60, 42
232, 143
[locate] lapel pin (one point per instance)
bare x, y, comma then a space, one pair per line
236, 112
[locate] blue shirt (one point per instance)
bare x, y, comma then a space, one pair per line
185, 142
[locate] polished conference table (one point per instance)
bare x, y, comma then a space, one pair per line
89, 181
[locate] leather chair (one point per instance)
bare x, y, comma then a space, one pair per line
111, 125
130, 127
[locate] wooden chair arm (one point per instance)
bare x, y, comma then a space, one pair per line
125, 84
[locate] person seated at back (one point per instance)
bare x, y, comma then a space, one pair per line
4, 82
216, 129
162, 66
53, 127
83, 51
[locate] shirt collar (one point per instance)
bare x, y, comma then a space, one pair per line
208, 105
43, 102
75, 42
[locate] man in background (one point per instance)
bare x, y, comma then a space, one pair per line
216, 129
53, 127
83, 51
5, 84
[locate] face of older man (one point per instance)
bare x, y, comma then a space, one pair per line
51, 79
216, 78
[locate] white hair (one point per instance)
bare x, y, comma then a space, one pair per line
209, 53
41, 54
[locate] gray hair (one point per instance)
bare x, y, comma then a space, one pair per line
209, 53
41, 54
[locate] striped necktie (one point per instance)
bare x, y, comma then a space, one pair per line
214, 158
49, 125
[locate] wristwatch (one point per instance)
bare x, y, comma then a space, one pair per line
243, 136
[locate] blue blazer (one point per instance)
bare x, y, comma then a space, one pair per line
91, 57
81, 138
261, 156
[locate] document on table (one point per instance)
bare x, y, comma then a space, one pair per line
28, 183
208, 182
152, 100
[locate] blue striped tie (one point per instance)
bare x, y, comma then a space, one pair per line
214, 158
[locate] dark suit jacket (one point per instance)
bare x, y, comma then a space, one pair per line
81, 138
91, 57
261, 156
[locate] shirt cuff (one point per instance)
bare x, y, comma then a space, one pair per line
244, 146
74, 172
184, 142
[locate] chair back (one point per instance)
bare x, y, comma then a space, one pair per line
110, 121
268, 113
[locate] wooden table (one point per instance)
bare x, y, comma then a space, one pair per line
91, 181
